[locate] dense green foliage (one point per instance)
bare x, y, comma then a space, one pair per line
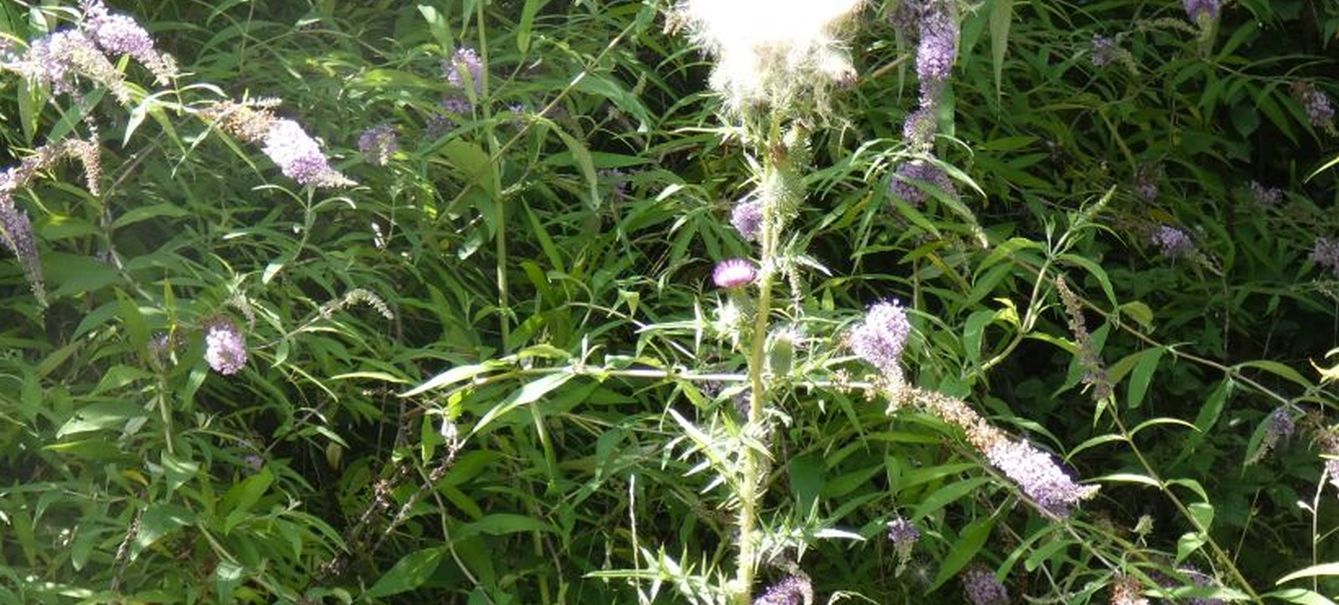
496, 370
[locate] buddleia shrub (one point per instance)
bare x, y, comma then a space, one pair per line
711, 302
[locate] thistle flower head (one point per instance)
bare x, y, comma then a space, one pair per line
378, 144
1172, 241
791, 590
882, 336
746, 218
770, 52
983, 588
1038, 475
225, 347
299, 156
734, 273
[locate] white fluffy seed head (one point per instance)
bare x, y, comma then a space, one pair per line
770, 52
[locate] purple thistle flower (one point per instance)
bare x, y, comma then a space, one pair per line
1265, 196
465, 62
911, 179
378, 144
746, 218
983, 588
1038, 475
734, 273
792, 590
1174, 242
16, 232
1202, 12
1325, 252
882, 336
225, 347
904, 536
299, 156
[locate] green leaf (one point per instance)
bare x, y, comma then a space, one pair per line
99, 416
1001, 17
1142, 376
969, 542
408, 573
529, 393
1299, 595
1324, 569
947, 495
527, 23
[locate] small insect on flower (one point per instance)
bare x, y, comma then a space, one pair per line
734, 273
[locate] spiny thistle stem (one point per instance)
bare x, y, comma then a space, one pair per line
751, 486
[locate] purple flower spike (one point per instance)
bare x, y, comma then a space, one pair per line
911, 178
1039, 476
880, 339
904, 535
1325, 253
793, 590
938, 47
1174, 242
225, 347
465, 61
378, 144
746, 217
734, 273
982, 588
1202, 12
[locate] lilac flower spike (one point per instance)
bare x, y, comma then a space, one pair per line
1202, 12
734, 273
1265, 196
911, 178
1038, 475
225, 347
904, 535
378, 144
793, 590
982, 588
1325, 253
881, 338
465, 61
122, 35
938, 47
1174, 242
299, 156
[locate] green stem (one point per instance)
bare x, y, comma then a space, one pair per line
750, 488
499, 208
